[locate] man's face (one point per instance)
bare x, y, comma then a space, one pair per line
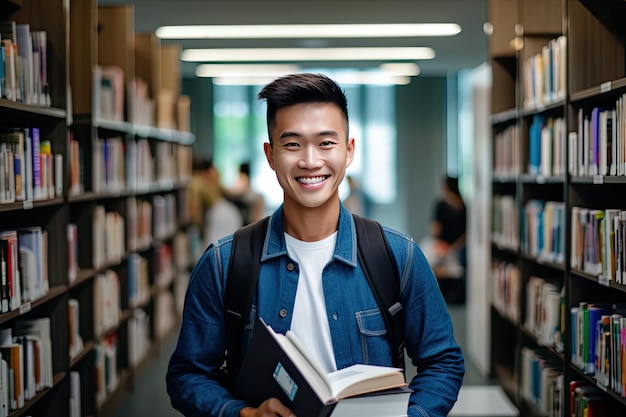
310, 153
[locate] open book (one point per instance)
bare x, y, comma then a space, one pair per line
278, 365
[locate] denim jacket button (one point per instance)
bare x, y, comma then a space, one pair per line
283, 313
291, 266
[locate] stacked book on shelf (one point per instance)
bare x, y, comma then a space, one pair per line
28, 168
598, 146
23, 64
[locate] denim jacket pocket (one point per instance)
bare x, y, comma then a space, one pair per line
373, 337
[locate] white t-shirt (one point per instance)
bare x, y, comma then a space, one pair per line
310, 321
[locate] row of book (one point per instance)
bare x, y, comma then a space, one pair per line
131, 165
138, 280
138, 336
598, 243
541, 380
544, 301
505, 224
106, 369
76, 344
598, 147
113, 233
164, 269
28, 168
107, 303
599, 343
586, 400
109, 243
23, 266
546, 146
543, 230
25, 363
107, 376
139, 223
506, 289
23, 64
507, 160
547, 138
544, 75
111, 91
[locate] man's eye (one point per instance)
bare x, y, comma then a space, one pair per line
291, 145
327, 143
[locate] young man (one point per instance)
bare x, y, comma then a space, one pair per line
310, 280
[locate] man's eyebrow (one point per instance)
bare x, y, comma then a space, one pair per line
289, 134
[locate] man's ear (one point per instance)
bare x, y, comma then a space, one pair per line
267, 148
350, 151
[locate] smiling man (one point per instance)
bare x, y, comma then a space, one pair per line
311, 281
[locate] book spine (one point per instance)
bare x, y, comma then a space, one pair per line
36, 163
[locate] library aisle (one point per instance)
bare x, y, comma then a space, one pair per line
479, 396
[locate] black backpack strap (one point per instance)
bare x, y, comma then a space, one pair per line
382, 275
243, 272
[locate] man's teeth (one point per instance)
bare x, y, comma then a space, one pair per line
314, 180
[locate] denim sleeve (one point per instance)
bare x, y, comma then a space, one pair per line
193, 377
429, 340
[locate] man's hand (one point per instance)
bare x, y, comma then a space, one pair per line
269, 408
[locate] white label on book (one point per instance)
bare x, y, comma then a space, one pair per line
284, 380
25, 308
604, 87
603, 280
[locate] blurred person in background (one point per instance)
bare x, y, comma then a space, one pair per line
355, 202
250, 202
444, 247
210, 210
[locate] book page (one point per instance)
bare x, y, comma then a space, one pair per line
360, 379
309, 356
317, 381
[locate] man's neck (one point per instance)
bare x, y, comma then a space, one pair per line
311, 225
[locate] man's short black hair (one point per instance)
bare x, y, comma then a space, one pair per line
301, 88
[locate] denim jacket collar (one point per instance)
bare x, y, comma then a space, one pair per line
345, 249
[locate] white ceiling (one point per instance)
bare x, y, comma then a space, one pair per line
465, 50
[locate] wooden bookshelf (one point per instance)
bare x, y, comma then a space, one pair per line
100, 168
594, 64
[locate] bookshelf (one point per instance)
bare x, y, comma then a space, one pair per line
557, 123
93, 218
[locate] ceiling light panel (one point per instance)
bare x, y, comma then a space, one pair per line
307, 54
396, 30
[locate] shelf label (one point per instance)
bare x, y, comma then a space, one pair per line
605, 87
540, 179
28, 204
602, 280
598, 179
25, 308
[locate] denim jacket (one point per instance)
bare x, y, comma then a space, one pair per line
357, 328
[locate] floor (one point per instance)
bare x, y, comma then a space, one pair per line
479, 396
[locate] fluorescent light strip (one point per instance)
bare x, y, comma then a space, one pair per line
306, 54
396, 30
404, 69
410, 69
345, 79
245, 70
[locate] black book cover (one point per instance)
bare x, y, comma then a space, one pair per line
267, 371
